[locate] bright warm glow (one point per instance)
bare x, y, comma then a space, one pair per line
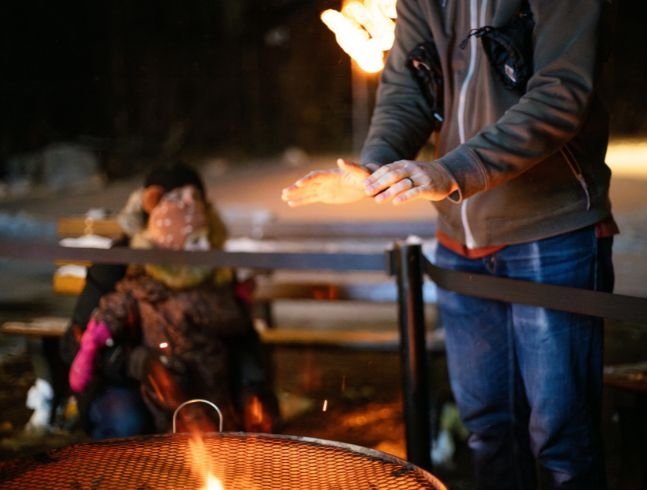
386, 7
201, 464
256, 410
379, 27
364, 30
628, 157
212, 483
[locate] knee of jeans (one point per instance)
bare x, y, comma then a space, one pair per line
116, 426
118, 413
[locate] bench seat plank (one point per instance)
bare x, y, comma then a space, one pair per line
37, 327
350, 339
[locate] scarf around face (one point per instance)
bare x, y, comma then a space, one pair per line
178, 276
174, 276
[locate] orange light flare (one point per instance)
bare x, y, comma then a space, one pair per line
257, 416
627, 157
201, 464
369, 15
364, 30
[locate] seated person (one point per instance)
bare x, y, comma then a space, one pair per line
132, 386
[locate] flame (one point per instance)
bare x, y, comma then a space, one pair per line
201, 464
364, 30
256, 410
212, 483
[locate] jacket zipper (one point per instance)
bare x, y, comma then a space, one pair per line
474, 24
577, 172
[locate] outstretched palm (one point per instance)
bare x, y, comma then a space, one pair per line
334, 186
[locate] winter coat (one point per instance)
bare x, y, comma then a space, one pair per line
186, 326
529, 162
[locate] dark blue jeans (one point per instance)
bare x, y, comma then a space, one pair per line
528, 380
118, 411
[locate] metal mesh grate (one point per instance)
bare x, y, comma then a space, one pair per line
241, 461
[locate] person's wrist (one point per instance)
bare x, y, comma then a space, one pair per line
445, 182
371, 167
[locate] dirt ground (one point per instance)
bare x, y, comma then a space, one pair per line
359, 390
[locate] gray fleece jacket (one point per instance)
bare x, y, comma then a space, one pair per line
528, 166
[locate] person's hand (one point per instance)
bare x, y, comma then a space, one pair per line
96, 335
342, 185
406, 180
163, 382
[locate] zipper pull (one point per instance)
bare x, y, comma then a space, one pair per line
478, 32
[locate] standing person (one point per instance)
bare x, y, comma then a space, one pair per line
521, 189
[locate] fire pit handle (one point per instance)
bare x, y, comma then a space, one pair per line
198, 400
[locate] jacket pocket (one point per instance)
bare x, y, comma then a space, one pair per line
424, 64
509, 48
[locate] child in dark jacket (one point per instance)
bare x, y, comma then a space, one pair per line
175, 316
167, 332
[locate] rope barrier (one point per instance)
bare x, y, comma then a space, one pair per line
574, 300
254, 260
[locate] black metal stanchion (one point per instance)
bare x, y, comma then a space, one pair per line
406, 264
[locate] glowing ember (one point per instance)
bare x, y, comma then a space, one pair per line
201, 464
364, 30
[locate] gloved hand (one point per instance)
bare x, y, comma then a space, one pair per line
163, 385
96, 335
161, 378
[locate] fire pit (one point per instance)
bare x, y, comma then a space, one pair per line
240, 461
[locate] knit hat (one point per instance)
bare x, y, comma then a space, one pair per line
161, 179
179, 213
170, 176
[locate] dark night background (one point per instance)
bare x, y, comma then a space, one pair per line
136, 81
149, 78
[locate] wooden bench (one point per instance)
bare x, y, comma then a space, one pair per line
273, 288
271, 333
631, 377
